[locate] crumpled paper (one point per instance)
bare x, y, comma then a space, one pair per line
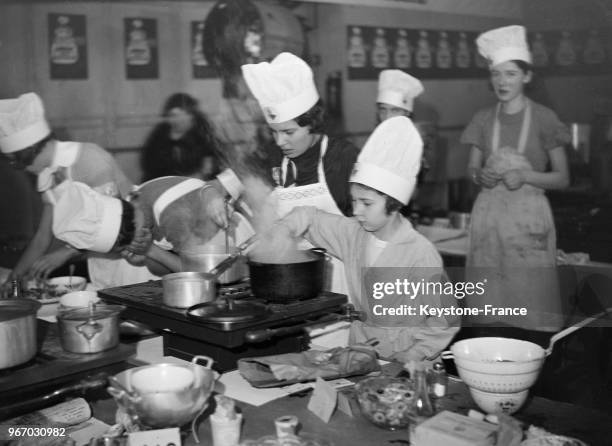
310, 365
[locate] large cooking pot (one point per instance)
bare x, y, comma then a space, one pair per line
285, 282
89, 330
17, 331
204, 258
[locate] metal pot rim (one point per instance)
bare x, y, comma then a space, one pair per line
83, 314
320, 254
20, 307
193, 275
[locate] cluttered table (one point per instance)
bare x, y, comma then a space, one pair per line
590, 426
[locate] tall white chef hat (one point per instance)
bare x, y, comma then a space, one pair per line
398, 89
284, 88
86, 219
391, 158
22, 122
504, 44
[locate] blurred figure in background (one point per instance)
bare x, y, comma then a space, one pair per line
183, 144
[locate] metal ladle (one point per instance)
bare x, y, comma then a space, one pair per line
227, 216
71, 273
231, 259
569, 330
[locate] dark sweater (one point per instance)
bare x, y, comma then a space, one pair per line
162, 156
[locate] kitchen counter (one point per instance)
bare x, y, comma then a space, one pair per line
560, 418
455, 243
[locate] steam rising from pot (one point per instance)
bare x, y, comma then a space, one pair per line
276, 244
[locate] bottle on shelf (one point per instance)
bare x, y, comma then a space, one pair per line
16, 289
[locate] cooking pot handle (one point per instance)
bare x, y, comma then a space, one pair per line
89, 329
447, 354
320, 250
206, 359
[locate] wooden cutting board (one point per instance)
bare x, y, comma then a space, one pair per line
53, 362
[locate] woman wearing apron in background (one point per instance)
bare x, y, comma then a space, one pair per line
310, 169
28, 142
512, 235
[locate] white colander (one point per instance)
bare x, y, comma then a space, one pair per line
500, 365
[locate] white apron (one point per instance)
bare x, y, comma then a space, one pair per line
318, 195
105, 270
513, 244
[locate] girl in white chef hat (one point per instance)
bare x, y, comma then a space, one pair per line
309, 168
187, 212
397, 91
26, 139
512, 229
91, 221
379, 246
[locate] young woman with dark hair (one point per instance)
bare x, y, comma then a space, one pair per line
183, 144
308, 167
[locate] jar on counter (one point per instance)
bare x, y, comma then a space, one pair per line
439, 380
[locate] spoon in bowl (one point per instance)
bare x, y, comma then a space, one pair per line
70, 274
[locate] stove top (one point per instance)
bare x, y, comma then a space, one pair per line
144, 303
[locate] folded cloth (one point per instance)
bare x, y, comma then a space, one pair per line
335, 363
328, 336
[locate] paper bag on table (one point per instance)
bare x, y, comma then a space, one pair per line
310, 365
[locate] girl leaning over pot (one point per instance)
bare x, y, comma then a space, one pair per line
378, 245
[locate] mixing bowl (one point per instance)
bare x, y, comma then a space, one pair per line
507, 403
386, 401
58, 286
166, 394
498, 365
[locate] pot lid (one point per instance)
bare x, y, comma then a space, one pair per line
16, 308
93, 312
227, 310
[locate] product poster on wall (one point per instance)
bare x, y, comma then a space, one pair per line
575, 52
141, 60
67, 46
438, 54
200, 67
423, 53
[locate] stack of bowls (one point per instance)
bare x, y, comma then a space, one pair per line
498, 371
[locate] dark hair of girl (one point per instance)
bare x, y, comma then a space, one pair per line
525, 66
313, 118
391, 204
127, 227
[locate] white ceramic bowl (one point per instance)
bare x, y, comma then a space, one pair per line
168, 378
507, 403
78, 299
498, 365
168, 395
58, 286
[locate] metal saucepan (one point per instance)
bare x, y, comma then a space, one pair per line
183, 290
90, 330
17, 331
286, 282
204, 258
